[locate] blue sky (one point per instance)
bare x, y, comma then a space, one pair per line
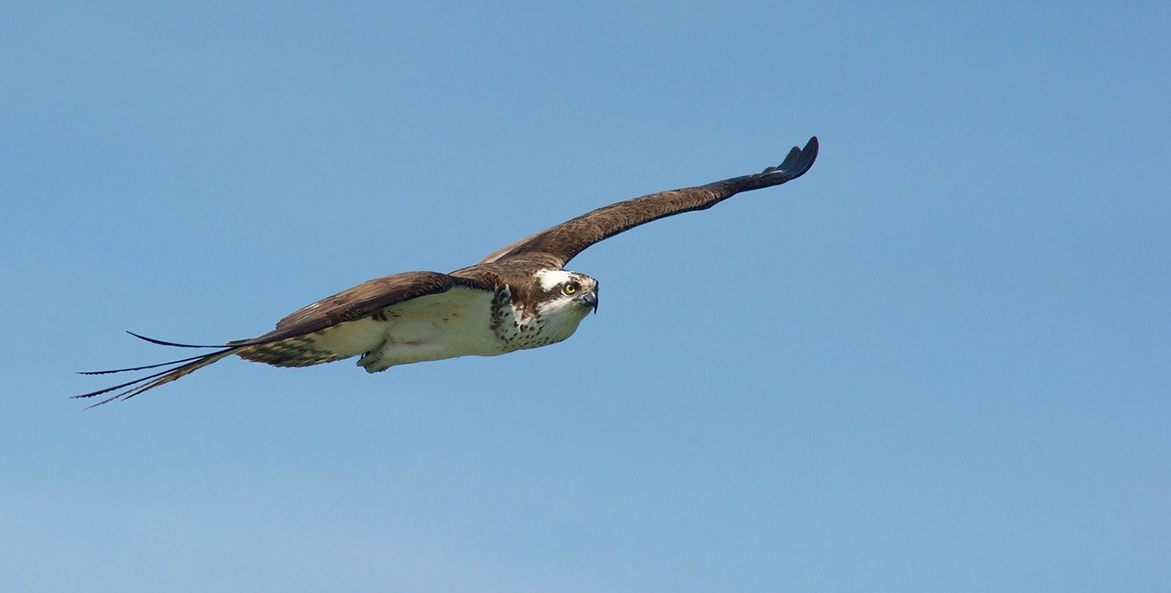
938, 362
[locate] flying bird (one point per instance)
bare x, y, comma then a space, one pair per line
517, 298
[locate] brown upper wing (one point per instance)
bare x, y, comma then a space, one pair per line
365, 299
561, 243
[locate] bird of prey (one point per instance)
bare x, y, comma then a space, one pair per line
517, 298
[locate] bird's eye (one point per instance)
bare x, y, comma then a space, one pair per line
570, 288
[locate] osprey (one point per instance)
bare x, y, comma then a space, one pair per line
517, 298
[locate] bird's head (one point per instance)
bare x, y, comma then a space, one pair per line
561, 292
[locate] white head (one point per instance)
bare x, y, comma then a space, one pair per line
563, 299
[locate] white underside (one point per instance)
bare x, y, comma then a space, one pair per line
454, 323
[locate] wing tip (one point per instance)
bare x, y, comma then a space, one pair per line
129, 389
805, 157
797, 162
174, 344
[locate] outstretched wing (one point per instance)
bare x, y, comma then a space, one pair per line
295, 342
561, 243
357, 302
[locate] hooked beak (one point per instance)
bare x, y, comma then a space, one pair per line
589, 299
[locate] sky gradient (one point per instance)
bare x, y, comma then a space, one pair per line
938, 362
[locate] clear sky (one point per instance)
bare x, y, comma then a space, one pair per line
938, 362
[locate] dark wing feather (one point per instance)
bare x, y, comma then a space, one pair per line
357, 302
561, 243
362, 300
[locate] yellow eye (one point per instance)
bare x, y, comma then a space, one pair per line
570, 288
